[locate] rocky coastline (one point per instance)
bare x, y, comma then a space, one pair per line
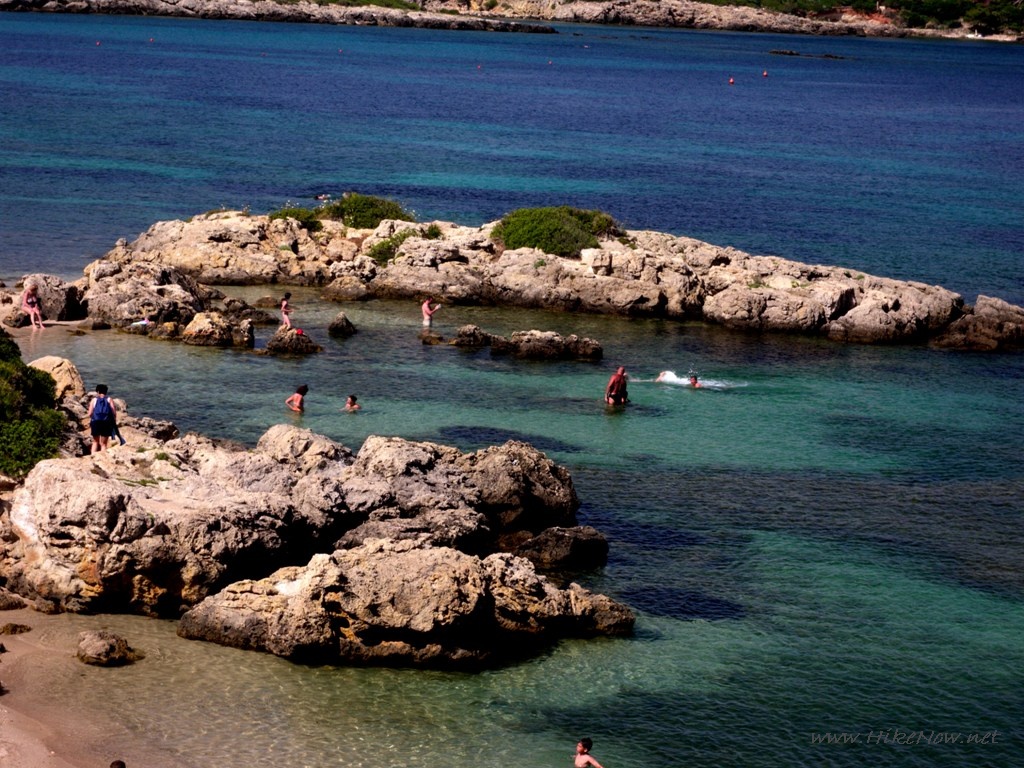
512, 15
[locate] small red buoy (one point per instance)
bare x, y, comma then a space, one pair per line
765, 73
731, 81
298, 331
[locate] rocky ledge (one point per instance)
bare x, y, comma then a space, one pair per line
165, 272
265, 10
403, 553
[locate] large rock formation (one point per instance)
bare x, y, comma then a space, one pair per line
406, 541
403, 604
641, 273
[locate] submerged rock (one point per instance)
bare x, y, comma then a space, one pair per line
531, 345
102, 648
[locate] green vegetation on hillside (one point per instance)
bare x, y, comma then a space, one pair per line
561, 231
30, 426
402, 5
984, 16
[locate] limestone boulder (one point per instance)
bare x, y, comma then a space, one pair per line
119, 295
213, 329
341, 327
402, 604
530, 345
103, 648
230, 247
155, 529
435, 494
291, 341
64, 373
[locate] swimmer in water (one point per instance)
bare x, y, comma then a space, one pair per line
615, 393
583, 758
297, 401
693, 381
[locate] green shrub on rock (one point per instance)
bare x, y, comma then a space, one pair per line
30, 427
386, 250
308, 219
363, 211
561, 231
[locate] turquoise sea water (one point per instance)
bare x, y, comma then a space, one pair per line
824, 539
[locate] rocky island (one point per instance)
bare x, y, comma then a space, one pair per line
166, 275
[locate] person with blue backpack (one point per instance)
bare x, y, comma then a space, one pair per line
102, 419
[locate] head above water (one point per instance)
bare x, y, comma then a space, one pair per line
302, 390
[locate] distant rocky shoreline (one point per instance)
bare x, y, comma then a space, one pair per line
510, 15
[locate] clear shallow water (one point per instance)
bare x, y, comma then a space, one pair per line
829, 541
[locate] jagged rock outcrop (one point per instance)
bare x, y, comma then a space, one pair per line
118, 294
642, 274
418, 528
399, 603
531, 345
213, 329
990, 325
156, 528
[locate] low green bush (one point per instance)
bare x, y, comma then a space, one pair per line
30, 426
308, 219
363, 211
385, 250
561, 231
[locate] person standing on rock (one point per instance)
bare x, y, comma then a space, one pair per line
583, 758
102, 415
615, 393
286, 312
428, 311
30, 306
295, 402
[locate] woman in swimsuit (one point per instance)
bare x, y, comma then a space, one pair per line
30, 306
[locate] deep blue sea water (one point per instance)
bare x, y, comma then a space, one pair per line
824, 539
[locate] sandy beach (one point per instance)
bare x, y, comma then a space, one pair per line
43, 723
44, 738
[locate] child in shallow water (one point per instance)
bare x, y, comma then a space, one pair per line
583, 758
